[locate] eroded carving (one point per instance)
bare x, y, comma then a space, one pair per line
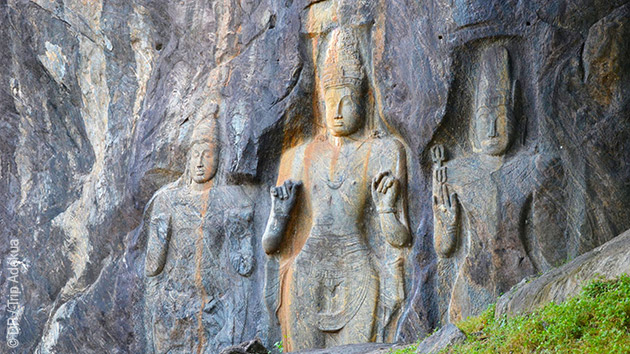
338, 221
492, 210
199, 255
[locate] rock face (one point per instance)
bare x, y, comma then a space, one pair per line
251, 347
608, 261
98, 106
353, 349
446, 336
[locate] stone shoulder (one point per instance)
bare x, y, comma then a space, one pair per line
387, 144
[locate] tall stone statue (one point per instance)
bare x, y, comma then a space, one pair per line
338, 221
199, 256
493, 211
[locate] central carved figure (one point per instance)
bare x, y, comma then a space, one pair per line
338, 224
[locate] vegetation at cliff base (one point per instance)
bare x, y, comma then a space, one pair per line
595, 321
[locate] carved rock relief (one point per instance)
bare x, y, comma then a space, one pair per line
337, 227
493, 201
199, 256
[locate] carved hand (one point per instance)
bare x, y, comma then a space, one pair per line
243, 263
446, 212
385, 189
283, 197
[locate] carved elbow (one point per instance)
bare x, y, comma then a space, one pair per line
400, 240
270, 244
151, 269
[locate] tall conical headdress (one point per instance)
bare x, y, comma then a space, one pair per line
342, 65
494, 83
205, 130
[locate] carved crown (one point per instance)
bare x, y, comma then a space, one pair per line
494, 82
205, 130
342, 66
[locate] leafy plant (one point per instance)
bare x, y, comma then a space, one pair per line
279, 346
595, 321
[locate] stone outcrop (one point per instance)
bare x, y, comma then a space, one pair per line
607, 261
98, 104
353, 349
446, 336
251, 347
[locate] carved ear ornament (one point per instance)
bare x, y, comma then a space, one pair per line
376, 134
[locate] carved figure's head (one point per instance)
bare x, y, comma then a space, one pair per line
493, 117
343, 80
203, 157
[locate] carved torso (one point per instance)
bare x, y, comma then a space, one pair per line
337, 179
331, 278
496, 207
199, 294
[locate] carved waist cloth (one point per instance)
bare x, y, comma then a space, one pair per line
340, 267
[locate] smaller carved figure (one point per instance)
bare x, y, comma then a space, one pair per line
199, 255
492, 212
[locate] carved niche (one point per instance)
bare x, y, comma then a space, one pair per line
338, 228
199, 256
492, 207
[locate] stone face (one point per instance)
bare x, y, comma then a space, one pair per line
608, 261
99, 100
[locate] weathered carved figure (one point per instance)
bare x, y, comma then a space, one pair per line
492, 211
339, 281
199, 253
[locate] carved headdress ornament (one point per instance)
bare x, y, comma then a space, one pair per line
205, 130
494, 85
342, 66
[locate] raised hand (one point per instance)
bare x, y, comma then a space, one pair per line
446, 213
385, 189
283, 197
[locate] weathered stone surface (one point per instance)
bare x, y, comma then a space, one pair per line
446, 336
251, 347
99, 100
608, 261
354, 349
497, 215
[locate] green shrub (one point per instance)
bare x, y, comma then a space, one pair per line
595, 321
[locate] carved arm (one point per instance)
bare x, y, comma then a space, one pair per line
157, 244
446, 220
385, 192
282, 201
445, 207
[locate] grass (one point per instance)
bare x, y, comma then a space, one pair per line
411, 349
595, 321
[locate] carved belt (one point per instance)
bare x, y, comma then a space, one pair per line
338, 260
336, 246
